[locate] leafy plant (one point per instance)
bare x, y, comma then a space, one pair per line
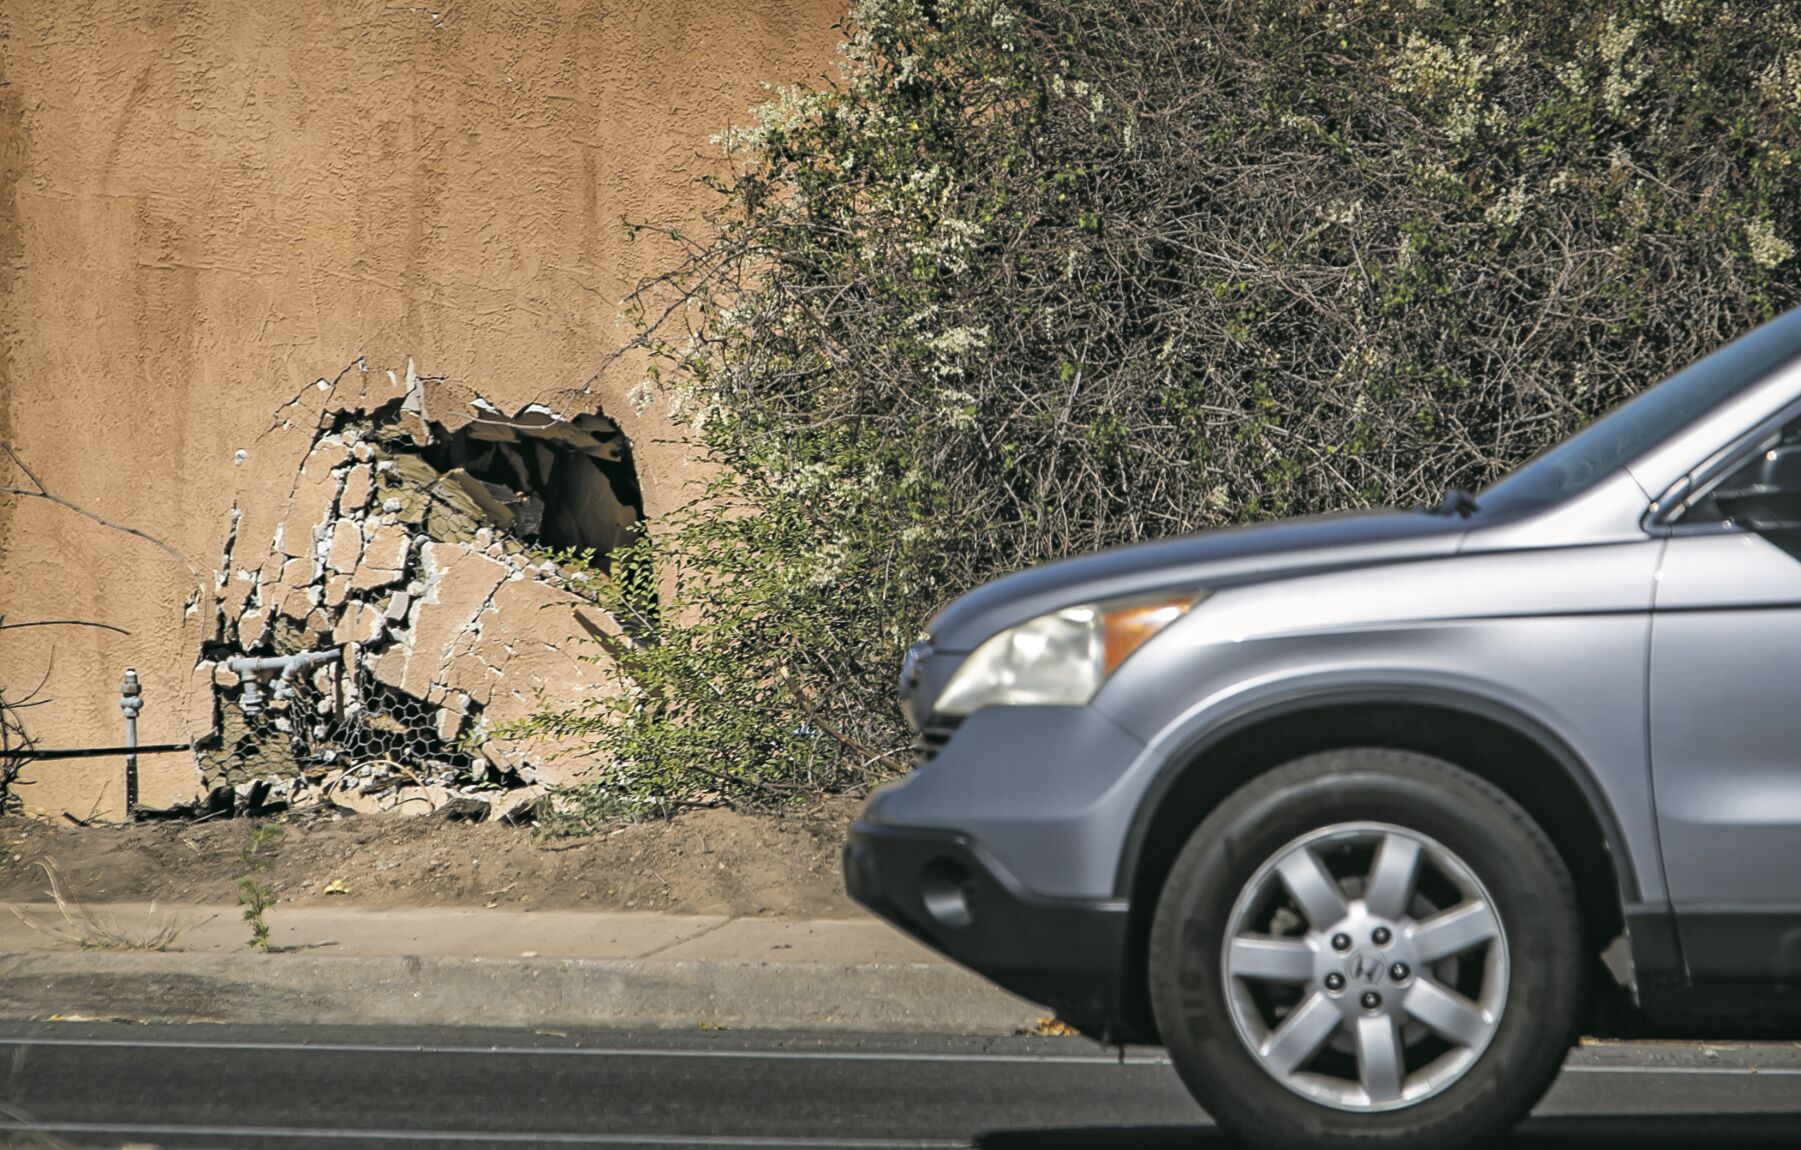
255, 896
1032, 280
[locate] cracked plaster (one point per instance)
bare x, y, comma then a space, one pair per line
201, 250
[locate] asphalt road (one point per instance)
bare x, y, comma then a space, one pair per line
95, 1084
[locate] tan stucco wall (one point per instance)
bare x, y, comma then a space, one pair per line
207, 205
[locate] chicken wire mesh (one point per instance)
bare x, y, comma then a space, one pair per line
335, 720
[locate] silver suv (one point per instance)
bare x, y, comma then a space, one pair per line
1366, 817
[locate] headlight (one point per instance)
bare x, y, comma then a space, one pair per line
1060, 658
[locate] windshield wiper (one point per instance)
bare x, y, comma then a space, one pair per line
1456, 502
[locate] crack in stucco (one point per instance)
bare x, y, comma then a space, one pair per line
403, 561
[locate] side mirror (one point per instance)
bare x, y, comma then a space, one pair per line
1773, 501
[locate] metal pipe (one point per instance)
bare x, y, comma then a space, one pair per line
102, 752
131, 701
252, 669
282, 664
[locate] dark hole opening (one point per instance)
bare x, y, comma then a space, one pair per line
565, 484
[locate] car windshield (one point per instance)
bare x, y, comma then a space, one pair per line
1643, 422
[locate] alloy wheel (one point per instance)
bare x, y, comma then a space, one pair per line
1366, 966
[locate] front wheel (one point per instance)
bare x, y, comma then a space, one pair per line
1367, 946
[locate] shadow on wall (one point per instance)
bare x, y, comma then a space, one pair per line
422, 550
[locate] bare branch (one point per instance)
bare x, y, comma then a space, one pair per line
5, 626
39, 491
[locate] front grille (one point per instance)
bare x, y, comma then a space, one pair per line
931, 740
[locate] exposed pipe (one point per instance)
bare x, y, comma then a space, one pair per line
283, 668
282, 664
36, 753
131, 701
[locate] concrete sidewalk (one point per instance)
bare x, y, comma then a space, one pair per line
446, 966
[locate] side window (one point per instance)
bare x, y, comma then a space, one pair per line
1770, 464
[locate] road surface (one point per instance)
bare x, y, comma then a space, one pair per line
98, 1084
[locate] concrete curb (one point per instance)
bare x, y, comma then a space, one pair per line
437, 991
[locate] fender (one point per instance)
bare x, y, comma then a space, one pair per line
1191, 755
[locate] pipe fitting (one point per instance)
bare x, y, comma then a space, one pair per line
255, 670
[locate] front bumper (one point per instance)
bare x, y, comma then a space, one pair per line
942, 888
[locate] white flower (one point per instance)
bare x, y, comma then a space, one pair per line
952, 344
957, 409
1767, 248
1452, 73
789, 108
828, 565
1680, 11
1781, 81
1623, 77
1507, 210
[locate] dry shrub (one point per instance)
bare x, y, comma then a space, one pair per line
87, 929
1038, 278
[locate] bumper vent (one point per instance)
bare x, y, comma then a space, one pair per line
931, 740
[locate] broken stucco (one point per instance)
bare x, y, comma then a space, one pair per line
207, 205
420, 543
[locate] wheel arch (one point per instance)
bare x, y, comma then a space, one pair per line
1492, 740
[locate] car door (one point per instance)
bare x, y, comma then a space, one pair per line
1725, 712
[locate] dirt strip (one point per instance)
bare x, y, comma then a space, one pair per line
700, 862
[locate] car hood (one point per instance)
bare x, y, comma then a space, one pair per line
1211, 559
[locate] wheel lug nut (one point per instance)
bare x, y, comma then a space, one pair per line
1399, 972
1335, 981
1381, 935
1371, 1000
1341, 941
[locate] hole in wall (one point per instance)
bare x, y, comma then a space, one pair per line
562, 484
398, 538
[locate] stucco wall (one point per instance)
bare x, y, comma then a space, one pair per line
208, 205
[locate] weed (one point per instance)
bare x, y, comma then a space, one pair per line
254, 896
89, 930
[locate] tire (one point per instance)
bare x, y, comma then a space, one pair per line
1222, 1012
